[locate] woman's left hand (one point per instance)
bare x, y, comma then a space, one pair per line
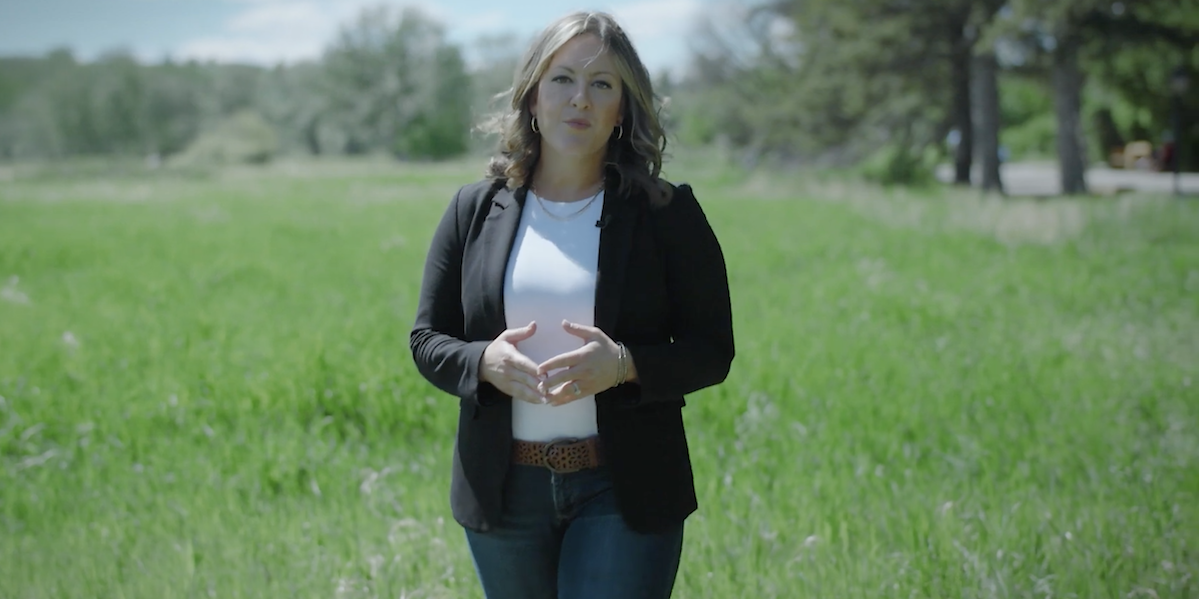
586, 371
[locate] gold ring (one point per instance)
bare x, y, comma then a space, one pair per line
575, 386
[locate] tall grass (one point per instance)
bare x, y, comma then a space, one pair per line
205, 391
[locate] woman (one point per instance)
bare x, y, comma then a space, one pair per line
570, 301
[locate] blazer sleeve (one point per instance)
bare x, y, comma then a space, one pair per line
437, 339
701, 350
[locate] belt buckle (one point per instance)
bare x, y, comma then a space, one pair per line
545, 455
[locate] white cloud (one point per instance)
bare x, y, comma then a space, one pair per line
266, 17
646, 21
342, 11
266, 32
660, 29
272, 31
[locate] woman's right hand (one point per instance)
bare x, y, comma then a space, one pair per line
510, 371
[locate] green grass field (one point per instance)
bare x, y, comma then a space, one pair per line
205, 391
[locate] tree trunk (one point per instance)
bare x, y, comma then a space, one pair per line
963, 159
312, 137
1110, 140
1067, 99
986, 118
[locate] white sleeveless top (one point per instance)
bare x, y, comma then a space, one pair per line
550, 278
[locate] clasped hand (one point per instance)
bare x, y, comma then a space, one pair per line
581, 372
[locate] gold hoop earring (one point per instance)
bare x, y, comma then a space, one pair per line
533, 125
619, 131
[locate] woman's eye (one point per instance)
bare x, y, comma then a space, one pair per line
604, 84
561, 79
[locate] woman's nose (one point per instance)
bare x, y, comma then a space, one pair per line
581, 99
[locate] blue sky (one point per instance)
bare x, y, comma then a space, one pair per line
272, 31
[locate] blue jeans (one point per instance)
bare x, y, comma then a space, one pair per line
562, 537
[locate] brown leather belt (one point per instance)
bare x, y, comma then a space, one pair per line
562, 456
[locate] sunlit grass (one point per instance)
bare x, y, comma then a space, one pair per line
206, 391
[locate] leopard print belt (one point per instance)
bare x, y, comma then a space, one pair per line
560, 455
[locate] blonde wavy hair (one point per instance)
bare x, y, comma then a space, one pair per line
635, 158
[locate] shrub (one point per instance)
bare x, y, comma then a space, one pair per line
895, 165
242, 138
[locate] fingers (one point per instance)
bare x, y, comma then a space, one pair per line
565, 393
513, 357
511, 371
525, 380
519, 334
516, 380
581, 331
566, 360
521, 363
563, 376
525, 393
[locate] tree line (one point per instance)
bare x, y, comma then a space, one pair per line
389, 82
895, 85
836, 82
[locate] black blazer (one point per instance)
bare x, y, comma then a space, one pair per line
661, 288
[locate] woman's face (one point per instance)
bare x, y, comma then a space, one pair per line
577, 102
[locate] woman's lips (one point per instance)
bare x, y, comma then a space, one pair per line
578, 124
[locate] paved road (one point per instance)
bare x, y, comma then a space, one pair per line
1041, 179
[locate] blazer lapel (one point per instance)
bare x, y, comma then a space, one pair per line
497, 236
617, 222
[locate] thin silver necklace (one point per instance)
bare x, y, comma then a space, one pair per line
572, 215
